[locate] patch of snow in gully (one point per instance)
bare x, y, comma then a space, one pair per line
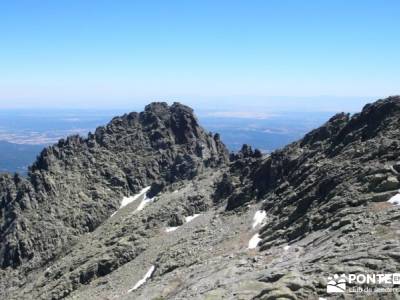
395, 199
170, 229
144, 202
128, 200
253, 243
286, 248
187, 220
143, 280
259, 218
191, 218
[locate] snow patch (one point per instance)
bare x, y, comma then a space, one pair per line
144, 202
395, 199
143, 280
259, 218
253, 243
170, 229
187, 220
191, 218
128, 200
286, 248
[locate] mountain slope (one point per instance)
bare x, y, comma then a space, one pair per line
76, 184
257, 227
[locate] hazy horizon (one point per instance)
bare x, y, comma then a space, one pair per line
217, 105
24, 132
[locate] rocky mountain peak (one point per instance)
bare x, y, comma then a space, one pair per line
77, 183
195, 225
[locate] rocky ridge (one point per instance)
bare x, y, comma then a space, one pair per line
323, 201
76, 184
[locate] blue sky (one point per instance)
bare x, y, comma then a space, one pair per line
115, 53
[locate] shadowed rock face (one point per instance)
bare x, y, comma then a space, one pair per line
74, 185
324, 199
348, 162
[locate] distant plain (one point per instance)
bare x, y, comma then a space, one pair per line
24, 133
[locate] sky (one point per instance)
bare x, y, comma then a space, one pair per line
274, 54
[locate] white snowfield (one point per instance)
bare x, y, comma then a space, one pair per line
143, 280
395, 199
286, 248
191, 218
127, 200
144, 202
170, 229
253, 243
259, 218
187, 220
